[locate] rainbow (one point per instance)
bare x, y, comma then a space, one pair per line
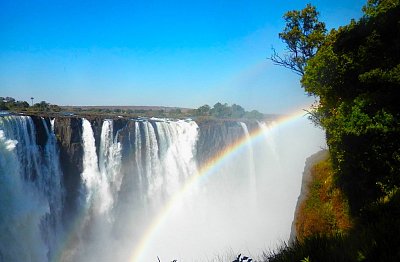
209, 168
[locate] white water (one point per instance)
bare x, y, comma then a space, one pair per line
110, 161
31, 196
50, 183
101, 185
250, 160
117, 210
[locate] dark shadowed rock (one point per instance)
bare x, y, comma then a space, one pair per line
68, 132
41, 135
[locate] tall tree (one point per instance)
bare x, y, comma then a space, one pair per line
303, 35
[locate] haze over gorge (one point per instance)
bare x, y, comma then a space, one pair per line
96, 189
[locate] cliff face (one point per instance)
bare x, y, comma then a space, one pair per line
215, 135
69, 137
41, 136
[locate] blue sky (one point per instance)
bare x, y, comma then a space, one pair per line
170, 53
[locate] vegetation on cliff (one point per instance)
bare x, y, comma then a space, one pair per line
355, 76
325, 209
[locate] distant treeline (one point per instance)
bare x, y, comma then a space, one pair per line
9, 103
225, 111
219, 110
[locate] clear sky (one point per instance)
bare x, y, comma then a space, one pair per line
170, 53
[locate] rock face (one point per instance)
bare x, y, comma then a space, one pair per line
306, 180
69, 137
41, 136
215, 135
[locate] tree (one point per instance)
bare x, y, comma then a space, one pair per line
55, 108
9, 100
303, 35
221, 110
254, 114
203, 110
21, 104
42, 106
375, 7
237, 111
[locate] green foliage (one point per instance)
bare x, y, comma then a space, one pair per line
237, 111
303, 35
375, 7
356, 76
254, 114
9, 103
306, 259
220, 110
42, 106
203, 110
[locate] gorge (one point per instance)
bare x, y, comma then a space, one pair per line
98, 189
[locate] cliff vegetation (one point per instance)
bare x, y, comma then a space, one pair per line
324, 209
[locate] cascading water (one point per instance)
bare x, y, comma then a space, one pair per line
250, 159
120, 201
244, 203
31, 193
49, 182
110, 157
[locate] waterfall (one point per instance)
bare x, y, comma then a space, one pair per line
31, 192
153, 165
177, 146
269, 137
110, 159
164, 155
50, 182
95, 186
250, 159
243, 201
